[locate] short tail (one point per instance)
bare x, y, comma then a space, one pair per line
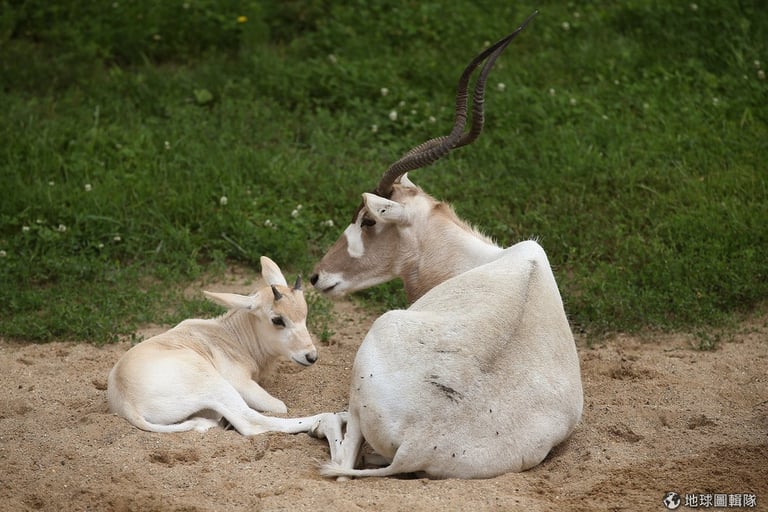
197, 424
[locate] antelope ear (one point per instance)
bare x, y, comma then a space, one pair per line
271, 272
385, 210
406, 182
233, 300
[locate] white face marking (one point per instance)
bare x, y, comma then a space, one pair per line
354, 235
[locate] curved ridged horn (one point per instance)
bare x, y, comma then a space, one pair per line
297, 285
276, 293
432, 150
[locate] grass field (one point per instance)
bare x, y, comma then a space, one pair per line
144, 144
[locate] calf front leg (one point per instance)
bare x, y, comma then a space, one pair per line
257, 397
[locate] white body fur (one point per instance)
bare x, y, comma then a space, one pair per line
202, 371
480, 376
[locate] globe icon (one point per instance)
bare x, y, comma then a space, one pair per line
671, 500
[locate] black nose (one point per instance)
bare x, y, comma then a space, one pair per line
313, 279
311, 358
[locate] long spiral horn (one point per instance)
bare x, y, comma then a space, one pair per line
432, 150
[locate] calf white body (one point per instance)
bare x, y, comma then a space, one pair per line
203, 371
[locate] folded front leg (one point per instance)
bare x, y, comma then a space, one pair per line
330, 426
257, 397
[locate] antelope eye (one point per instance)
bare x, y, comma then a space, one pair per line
366, 222
278, 321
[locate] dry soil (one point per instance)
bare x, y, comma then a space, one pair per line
659, 416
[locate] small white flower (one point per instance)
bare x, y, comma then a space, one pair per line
715, 101
486, 44
88, 187
51, 183
566, 25
432, 119
100, 246
646, 106
501, 86
328, 223
616, 82
393, 115
577, 14
39, 221
295, 213
25, 229
605, 117
757, 64
299, 206
374, 128
551, 91
694, 7
332, 58
268, 223
384, 91
3, 254
573, 101
413, 111
760, 74
62, 228
401, 104
223, 200
167, 145
117, 238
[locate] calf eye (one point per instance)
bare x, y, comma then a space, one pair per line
278, 321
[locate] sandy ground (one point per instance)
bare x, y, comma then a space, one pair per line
659, 416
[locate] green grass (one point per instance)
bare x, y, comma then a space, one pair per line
144, 144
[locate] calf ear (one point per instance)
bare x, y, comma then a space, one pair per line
232, 300
271, 272
385, 210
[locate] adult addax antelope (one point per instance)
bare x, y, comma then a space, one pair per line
480, 376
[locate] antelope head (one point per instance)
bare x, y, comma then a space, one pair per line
393, 230
276, 313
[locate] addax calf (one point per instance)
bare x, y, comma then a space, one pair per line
202, 371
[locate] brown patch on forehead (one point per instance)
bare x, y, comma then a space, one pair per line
292, 303
340, 246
